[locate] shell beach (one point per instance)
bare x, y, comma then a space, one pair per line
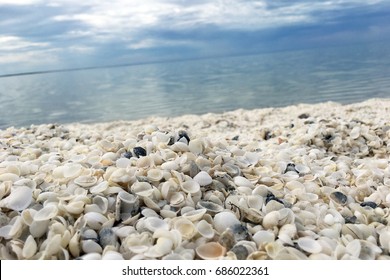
299, 182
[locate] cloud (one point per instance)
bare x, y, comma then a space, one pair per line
92, 31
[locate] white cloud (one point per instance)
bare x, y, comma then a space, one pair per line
13, 43
19, 2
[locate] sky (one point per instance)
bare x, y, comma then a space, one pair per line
42, 35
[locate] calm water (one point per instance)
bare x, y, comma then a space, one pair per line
346, 75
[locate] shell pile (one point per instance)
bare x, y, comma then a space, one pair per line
301, 182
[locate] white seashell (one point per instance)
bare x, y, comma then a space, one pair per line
271, 220
142, 189
224, 220
242, 182
53, 245
90, 246
123, 163
353, 248
190, 186
210, 251
155, 175
30, 247
384, 239
112, 255
309, 245
252, 158
91, 256
99, 205
73, 207
85, 181
145, 162
170, 165
154, 223
177, 199
195, 146
72, 170
355, 132
205, 229
120, 175
263, 237
127, 205
203, 178
186, 228
95, 220
19, 199
9, 177
194, 215
39, 228
255, 201
99, 188
46, 213
163, 246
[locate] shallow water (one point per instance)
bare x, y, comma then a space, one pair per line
344, 74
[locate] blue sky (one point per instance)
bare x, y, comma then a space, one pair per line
40, 35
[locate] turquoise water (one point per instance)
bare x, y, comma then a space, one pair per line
343, 74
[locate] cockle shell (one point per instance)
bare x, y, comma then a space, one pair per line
224, 220
19, 199
190, 186
205, 229
203, 178
210, 251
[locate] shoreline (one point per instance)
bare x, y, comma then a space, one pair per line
306, 181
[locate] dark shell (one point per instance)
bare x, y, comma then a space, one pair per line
339, 197
290, 167
371, 204
303, 116
240, 251
107, 237
350, 220
271, 196
139, 151
183, 134
127, 155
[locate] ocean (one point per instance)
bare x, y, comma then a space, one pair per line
345, 74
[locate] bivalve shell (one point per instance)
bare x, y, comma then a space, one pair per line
210, 251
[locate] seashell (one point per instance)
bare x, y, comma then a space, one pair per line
195, 146
107, 237
255, 201
46, 213
19, 199
99, 204
174, 235
190, 186
30, 247
85, 181
127, 205
211, 207
124, 162
210, 251
177, 199
205, 229
384, 239
309, 245
5, 189
273, 205
169, 165
13, 229
95, 220
112, 255
153, 223
273, 249
224, 220
38, 228
72, 170
73, 207
9, 177
262, 237
91, 256
203, 178
142, 189
271, 219
195, 215
155, 175
242, 182
163, 246
339, 197
120, 175
186, 228
99, 188
90, 246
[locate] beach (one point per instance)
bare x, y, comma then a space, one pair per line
308, 181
